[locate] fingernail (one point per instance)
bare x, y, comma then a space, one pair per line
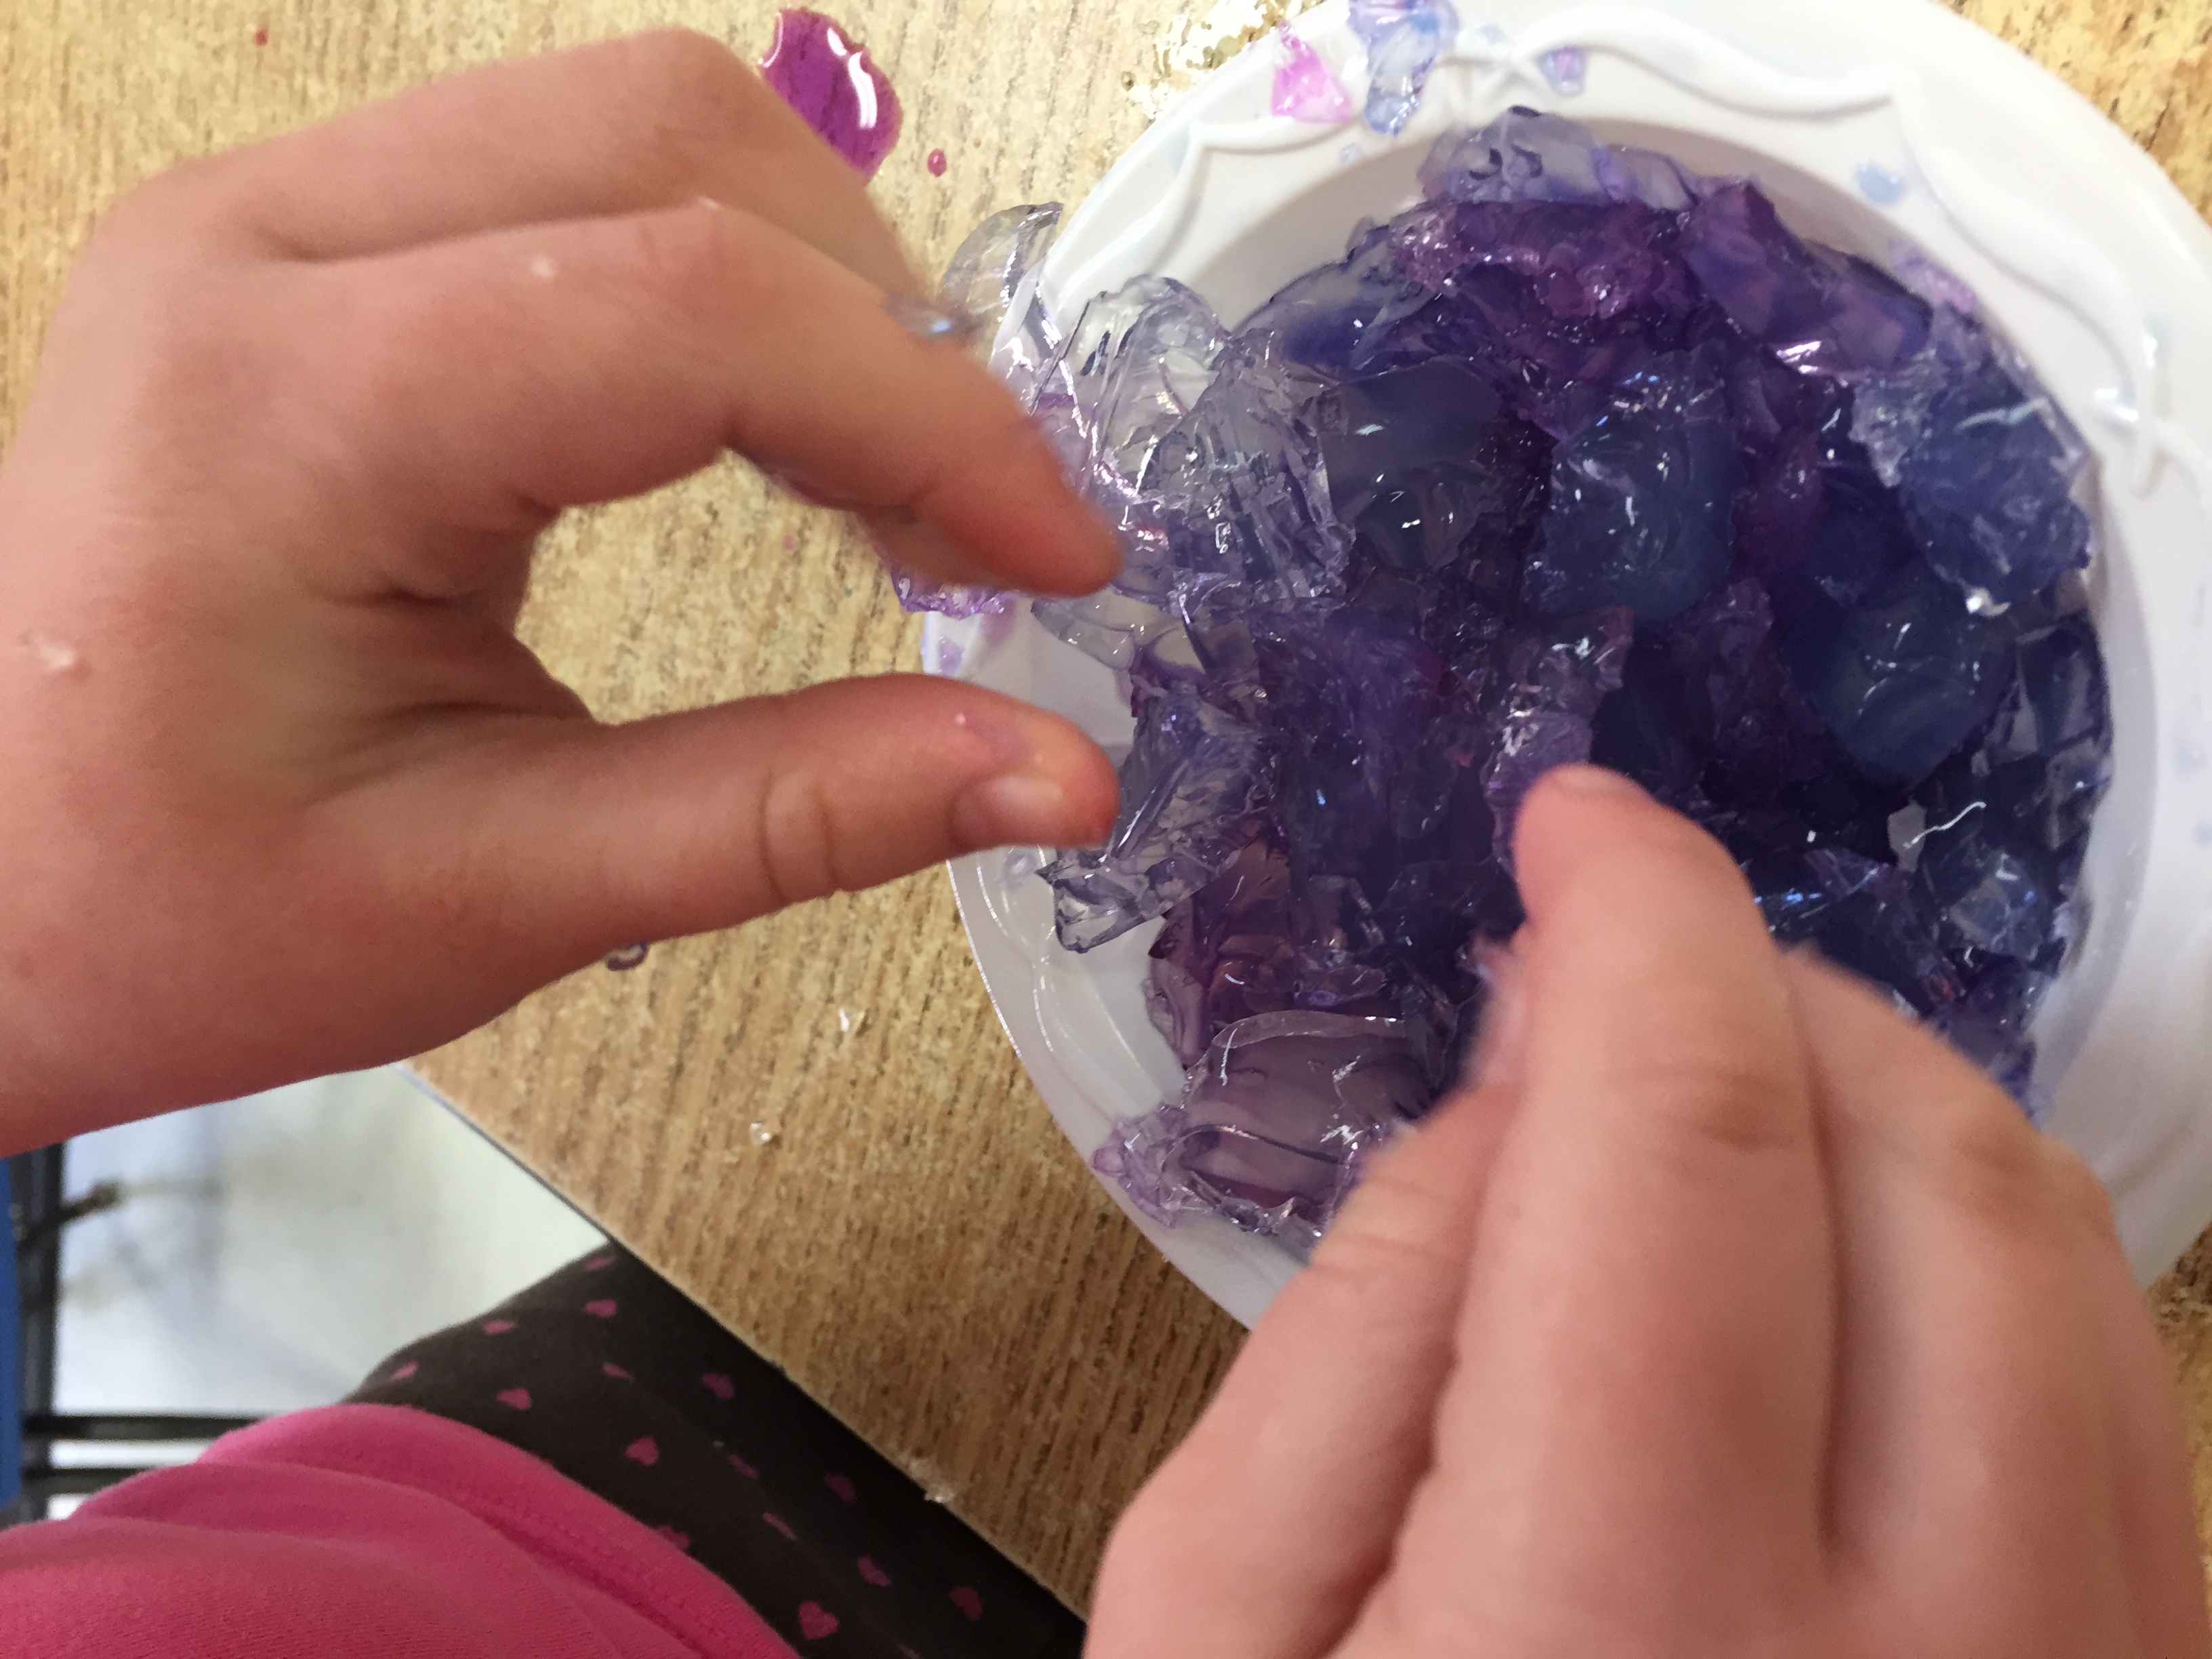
1595, 780
1014, 810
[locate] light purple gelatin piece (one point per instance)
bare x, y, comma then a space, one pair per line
1404, 39
919, 593
991, 272
1305, 88
818, 67
1276, 1120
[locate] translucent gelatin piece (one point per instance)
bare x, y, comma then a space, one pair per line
1404, 39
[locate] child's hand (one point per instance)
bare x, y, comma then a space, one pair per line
1728, 1314
283, 794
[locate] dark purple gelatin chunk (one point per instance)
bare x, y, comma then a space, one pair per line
1583, 457
817, 67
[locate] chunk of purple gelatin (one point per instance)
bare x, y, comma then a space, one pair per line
1583, 457
1902, 678
1642, 500
1275, 1119
1815, 309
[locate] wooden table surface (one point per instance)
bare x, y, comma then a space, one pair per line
814, 1124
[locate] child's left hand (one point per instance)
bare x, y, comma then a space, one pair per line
284, 794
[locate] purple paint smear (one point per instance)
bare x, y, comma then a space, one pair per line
818, 67
1304, 89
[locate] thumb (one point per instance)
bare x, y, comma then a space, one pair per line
567, 839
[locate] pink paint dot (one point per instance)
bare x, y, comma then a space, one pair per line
874, 1574
966, 1600
261, 35
681, 1541
603, 1308
937, 163
790, 541
1305, 88
405, 1371
498, 1327
616, 1372
718, 1385
518, 1398
815, 67
815, 1621
642, 1450
598, 1264
779, 1524
744, 1467
842, 1486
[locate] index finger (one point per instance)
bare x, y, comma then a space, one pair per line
487, 381
1648, 1325
622, 126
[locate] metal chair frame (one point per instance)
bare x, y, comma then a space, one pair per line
38, 1213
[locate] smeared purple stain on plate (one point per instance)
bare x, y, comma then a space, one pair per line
818, 67
1305, 89
1582, 458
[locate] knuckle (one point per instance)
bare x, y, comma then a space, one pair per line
682, 255
1709, 1096
1988, 1163
1376, 1242
163, 206
695, 93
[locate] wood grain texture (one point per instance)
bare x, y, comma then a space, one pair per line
814, 1124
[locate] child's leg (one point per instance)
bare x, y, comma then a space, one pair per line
613, 1377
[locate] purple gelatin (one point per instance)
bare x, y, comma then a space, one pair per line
818, 67
1583, 457
1404, 39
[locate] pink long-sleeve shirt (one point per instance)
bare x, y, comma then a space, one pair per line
362, 1532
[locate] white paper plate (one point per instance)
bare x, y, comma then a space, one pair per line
1869, 123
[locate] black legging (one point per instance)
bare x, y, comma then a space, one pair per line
608, 1374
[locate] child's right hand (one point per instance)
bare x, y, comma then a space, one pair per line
1727, 1314
283, 794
